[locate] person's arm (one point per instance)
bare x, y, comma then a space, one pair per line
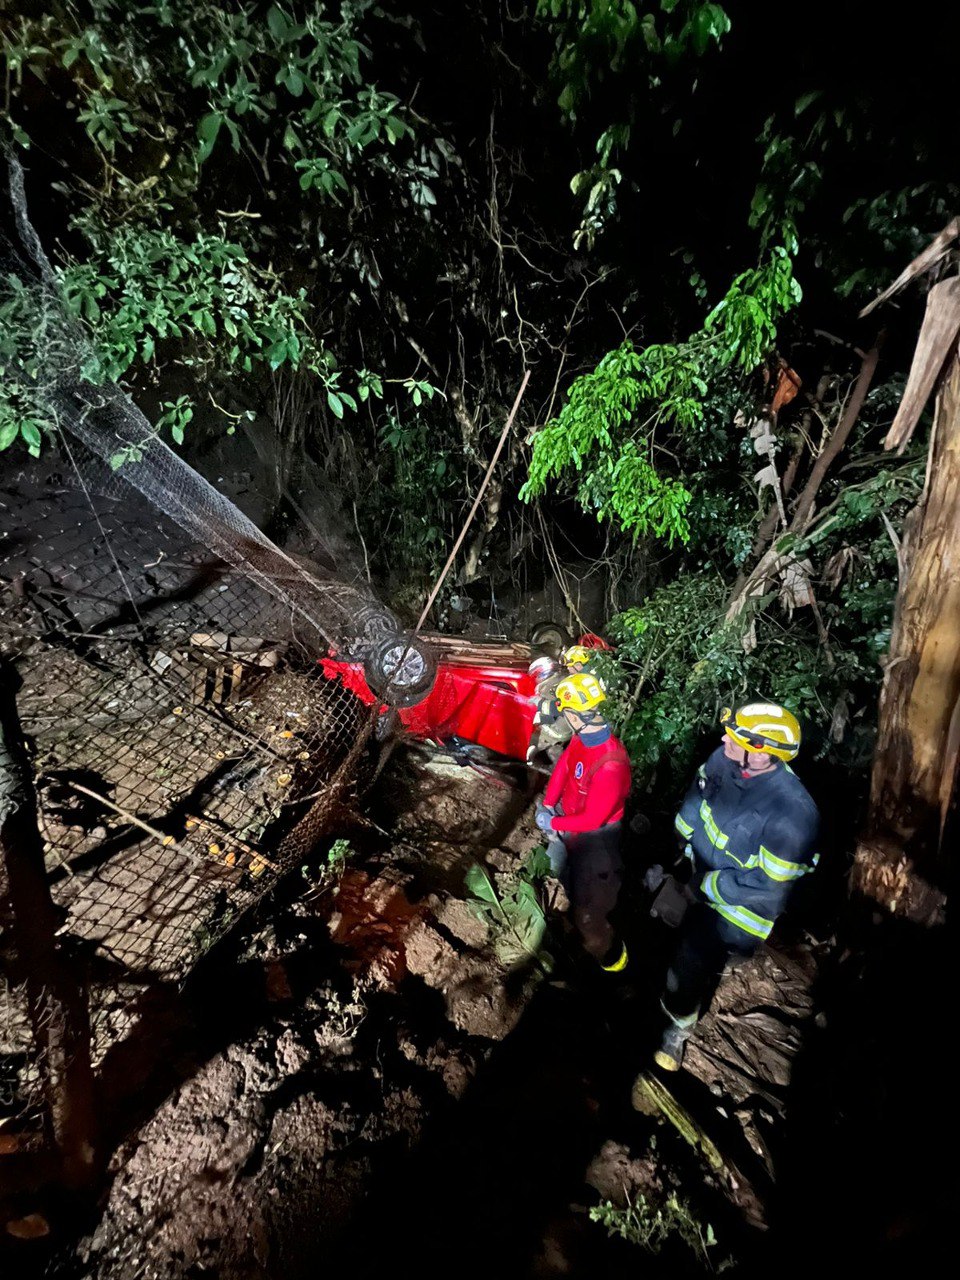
753, 896
608, 792
685, 823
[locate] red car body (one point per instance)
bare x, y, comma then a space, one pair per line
490, 704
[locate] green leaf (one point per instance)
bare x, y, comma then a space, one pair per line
805, 100
478, 882
335, 403
31, 435
9, 431
209, 126
278, 23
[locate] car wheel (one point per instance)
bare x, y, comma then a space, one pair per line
550, 637
370, 623
400, 670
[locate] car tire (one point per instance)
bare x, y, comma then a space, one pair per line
371, 623
550, 637
417, 670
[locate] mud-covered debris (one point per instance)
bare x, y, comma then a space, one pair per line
618, 1176
372, 919
454, 915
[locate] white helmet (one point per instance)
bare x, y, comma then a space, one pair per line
543, 667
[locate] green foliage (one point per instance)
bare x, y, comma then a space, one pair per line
652, 1226
328, 874
593, 36
606, 431
158, 94
678, 661
303, 68
338, 855
513, 911
601, 39
805, 146
419, 478
149, 286
745, 321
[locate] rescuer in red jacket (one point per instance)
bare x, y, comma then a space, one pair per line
582, 812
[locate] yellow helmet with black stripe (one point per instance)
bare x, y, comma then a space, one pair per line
576, 655
581, 692
765, 727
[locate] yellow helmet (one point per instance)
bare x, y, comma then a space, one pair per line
576, 653
581, 692
763, 726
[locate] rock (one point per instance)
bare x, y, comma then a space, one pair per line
617, 1176
456, 917
33, 1226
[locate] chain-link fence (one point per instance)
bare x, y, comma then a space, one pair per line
185, 745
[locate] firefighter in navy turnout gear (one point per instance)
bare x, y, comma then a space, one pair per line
749, 829
582, 813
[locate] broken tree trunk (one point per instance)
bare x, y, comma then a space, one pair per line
899, 862
56, 999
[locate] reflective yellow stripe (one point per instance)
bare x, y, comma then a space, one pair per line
684, 828
714, 834
742, 917
780, 869
752, 861
619, 964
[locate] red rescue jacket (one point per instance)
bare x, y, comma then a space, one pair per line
591, 785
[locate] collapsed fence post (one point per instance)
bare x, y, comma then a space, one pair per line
56, 996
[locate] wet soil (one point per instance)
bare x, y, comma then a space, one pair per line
357, 1081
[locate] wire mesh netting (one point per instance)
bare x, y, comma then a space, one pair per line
179, 726
187, 748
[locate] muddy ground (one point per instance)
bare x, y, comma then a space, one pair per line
356, 1080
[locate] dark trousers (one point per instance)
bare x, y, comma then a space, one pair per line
592, 878
706, 943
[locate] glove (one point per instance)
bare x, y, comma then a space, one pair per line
544, 818
654, 877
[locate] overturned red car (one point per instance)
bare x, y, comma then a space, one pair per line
454, 690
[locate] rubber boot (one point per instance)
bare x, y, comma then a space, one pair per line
669, 1056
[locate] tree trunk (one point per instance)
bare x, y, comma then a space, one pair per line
56, 999
900, 862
